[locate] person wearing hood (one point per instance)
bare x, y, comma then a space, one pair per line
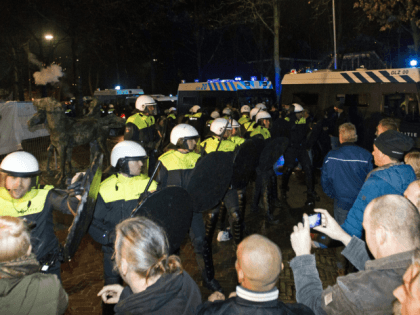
391, 177
157, 284
23, 289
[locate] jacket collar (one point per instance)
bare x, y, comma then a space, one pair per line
257, 296
401, 260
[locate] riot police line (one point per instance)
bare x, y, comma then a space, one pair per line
173, 184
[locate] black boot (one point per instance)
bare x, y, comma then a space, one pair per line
310, 199
268, 201
208, 274
287, 172
237, 226
273, 188
222, 217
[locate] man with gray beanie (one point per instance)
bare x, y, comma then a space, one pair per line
391, 177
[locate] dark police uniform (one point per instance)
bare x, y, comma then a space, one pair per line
266, 182
297, 150
36, 207
118, 197
141, 128
230, 200
175, 170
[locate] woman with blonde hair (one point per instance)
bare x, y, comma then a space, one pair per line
23, 290
413, 159
156, 282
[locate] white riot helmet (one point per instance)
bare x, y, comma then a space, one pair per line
245, 109
298, 108
262, 115
227, 111
124, 152
20, 164
183, 131
194, 109
214, 114
146, 103
235, 124
172, 109
261, 106
218, 126
254, 112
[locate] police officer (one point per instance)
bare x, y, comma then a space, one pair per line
262, 126
298, 150
266, 182
172, 113
221, 130
118, 196
248, 127
141, 128
235, 136
177, 165
196, 119
245, 109
23, 197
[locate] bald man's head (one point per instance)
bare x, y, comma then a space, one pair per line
412, 193
259, 263
398, 216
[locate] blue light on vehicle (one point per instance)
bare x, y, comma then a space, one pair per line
254, 78
413, 63
183, 81
308, 71
238, 79
196, 80
118, 87
266, 79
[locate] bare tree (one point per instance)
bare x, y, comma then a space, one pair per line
394, 13
264, 12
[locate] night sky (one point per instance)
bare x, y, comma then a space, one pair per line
155, 44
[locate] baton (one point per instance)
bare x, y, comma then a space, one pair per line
223, 133
251, 122
142, 196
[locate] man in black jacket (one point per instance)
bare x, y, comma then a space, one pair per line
258, 267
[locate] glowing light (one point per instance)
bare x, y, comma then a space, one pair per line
238, 79
253, 78
118, 87
196, 80
413, 63
48, 37
183, 81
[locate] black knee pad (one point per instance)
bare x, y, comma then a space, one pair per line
236, 215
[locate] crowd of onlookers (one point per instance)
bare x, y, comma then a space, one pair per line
376, 222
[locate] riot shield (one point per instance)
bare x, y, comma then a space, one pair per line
91, 183
210, 179
244, 164
271, 152
171, 208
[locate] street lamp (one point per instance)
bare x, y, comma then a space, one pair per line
48, 37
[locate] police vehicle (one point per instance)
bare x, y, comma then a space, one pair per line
384, 92
124, 100
217, 93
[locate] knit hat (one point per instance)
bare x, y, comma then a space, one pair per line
394, 144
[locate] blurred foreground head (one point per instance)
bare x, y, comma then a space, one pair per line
258, 263
14, 238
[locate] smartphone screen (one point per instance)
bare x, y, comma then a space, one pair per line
314, 220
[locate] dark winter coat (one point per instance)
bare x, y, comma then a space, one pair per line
172, 294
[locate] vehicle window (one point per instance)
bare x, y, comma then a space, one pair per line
190, 101
306, 99
359, 100
395, 104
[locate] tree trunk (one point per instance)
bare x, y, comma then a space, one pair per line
276, 57
416, 35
